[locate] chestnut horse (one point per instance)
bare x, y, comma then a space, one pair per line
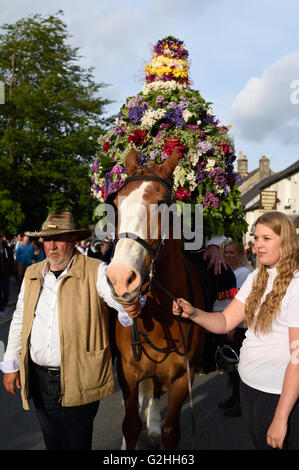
160, 354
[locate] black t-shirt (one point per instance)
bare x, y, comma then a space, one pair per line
57, 273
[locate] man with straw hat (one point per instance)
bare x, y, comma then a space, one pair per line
58, 349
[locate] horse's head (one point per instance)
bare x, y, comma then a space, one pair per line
139, 226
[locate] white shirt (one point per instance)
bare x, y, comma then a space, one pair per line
264, 357
241, 275
45, 338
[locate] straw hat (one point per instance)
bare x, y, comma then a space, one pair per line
59, 222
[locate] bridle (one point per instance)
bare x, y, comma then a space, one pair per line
154, 252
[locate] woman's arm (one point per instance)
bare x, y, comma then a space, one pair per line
219, 323
289, 395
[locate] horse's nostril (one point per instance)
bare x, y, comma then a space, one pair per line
132, 278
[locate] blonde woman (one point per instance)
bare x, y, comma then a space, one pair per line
269, 357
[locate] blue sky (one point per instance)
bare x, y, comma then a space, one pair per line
244, 58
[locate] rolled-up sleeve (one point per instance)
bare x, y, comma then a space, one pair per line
104, 292
10, 361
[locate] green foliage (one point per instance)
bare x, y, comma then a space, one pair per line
49, 124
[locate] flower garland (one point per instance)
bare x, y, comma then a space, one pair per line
165, 115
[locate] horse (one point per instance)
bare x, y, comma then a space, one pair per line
155, 346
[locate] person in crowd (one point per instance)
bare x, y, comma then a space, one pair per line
23, 253
235, 257
37, 254
6, 270
250, 254
58, 349
269, 360
101, 249
81, 247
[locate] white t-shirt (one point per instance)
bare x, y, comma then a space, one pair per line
264, 357
241, 274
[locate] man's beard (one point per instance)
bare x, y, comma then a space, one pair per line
62, 261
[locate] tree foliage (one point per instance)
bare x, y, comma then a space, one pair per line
49, 124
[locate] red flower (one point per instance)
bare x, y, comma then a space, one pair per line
106, 146
224, 147
137, 137
171, 144
182, 193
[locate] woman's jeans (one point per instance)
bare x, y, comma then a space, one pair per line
258, 410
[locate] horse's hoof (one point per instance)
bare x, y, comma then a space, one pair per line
153, 441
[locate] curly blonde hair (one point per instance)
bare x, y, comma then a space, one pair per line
268, 311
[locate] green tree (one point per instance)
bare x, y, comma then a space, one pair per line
49, 124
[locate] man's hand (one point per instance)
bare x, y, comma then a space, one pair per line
133, 310
215, 259
12, 380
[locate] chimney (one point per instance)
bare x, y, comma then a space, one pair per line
242, 165
264, 167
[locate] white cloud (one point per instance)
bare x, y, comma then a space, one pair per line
264, 108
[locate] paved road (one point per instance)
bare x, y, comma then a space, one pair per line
19, 429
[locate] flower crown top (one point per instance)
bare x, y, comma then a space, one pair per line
167, 115
169, 62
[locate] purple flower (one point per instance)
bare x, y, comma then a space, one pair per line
134, 101
95, 166
135, 113
160, 99
217, 175
175, 115
118, 169
172, 105
193, 127
143, 158
161, 135
183, 104
119, 130
209, 199
204, 147
154, 154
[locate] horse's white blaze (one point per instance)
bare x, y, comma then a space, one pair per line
133, 219
153, 416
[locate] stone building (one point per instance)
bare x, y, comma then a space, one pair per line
263, 190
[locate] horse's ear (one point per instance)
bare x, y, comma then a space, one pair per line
132, 161
167, 168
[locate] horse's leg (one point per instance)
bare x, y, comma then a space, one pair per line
153, 416
132, 423
177, 393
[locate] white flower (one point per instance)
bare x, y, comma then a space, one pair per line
219, 189
210, 112
198, 122
151, 116
99, 180
187, 115
191, 177
210, 164
163, 87
179, 176
194, 158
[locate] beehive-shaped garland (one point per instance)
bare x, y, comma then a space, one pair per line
165, 115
